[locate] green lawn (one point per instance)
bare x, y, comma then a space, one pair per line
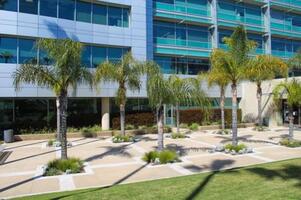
279, 180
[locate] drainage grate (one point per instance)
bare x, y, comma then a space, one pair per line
3, 156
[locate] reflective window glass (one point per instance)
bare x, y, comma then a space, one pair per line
48, 8
10, 5
8, 50
115, 16
27, 52
86, 56
27, 6
126, 14
99, 55
100, 14
114, 54
66, 9
83, 11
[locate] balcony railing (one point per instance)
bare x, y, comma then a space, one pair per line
283, 54
182, 43
293, 3
252, 20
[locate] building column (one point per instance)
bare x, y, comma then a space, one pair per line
105, 113
267, 24
214, 27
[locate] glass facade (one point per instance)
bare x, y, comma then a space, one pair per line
72, 10
285, 47
181, 65
20, 50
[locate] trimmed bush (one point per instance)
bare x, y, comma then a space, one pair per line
194, 126
87, 133
199, 116
129, 127
290, 143
235, 148
178, 135
164, 157
59, 167
135, 119
183, 125
50, 143
121, 138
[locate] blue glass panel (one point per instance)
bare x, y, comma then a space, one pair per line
8, 50
100, 14
83, 11
115, 16
27, 6
48, 8
99, 55
115, 54
86, 56
27, 52
44, 59
66, 9
10, 5
126, 13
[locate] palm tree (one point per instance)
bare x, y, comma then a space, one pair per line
185, 91
65, 73
159, 93
232, 63
262, 68
6, 55
292, 91
127, 73
216, 78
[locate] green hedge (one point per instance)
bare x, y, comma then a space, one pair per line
213, 115
186, 117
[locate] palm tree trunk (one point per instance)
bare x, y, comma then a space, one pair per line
160, 125
259, 99
122, 119
291, 124
234, 115
58, 119
178, 118
222, 106
63, 124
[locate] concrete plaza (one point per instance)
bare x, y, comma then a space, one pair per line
107, 163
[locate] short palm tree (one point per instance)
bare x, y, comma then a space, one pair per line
66, 72
292, 91
262, 68
216, 78
186, 91
232, 63
127, 73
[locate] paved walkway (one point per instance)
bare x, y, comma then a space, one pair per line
111, 164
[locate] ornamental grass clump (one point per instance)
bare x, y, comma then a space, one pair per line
290, 143
163, 157
68, 166
122, 138
178, 135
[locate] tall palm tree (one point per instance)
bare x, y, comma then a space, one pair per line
262, 68
159, 93
216, 78
66, 72
127, 73
292, 91
232, 63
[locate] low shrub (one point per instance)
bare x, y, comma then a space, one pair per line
122, 138
194, 127
290, 143
260, 128
50, 143
59, 167
136, 119
129, 127
236, 148
178, 135
87, 133
223, 132
163, 157
183, 125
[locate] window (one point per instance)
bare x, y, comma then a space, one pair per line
8, 50
28, 6
86, 56
27, 52
296, 21
66, 9
115, 16
99, 55
83, 11
44, 58
126, 14
164, 31
10, 5
114, 54
100, 14
48, 8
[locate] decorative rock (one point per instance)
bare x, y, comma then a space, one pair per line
249, 150
56, 144
211, 151
219, 148
68, 171
241, 151
157, 161
233, 152
69, 144
227, 151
